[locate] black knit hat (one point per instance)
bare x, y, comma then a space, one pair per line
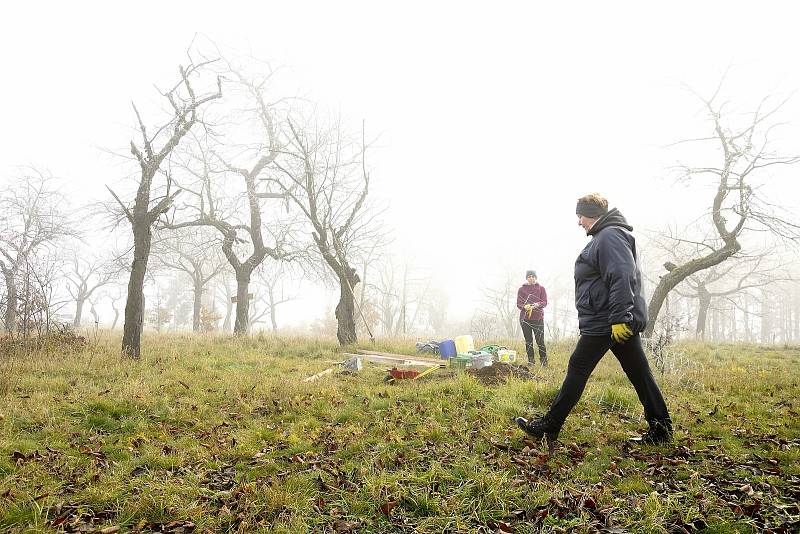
589, 209
530, 273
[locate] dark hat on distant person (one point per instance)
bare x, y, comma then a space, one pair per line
530, 273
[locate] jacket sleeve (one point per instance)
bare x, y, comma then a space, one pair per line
520, 299
618, 270
542, 300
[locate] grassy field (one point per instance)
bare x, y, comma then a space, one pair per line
215, 434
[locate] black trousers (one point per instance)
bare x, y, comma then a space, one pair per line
531, 329
586, 356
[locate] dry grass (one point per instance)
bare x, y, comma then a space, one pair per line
218, 434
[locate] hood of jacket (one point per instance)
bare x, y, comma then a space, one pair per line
612, 218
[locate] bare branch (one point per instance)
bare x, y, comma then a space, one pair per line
125, 209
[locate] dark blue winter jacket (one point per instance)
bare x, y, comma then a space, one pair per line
608, 283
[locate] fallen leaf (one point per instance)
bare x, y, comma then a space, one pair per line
345, 526
387, 507
502, 526
747, 489
136, 471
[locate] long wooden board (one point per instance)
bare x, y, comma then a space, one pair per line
437, 361
396, 359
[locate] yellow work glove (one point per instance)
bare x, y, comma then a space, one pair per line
528, 310
621, 332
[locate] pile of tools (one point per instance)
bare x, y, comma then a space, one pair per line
388, 359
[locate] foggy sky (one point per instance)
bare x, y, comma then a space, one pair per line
491, 119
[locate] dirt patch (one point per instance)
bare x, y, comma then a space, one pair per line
500, 372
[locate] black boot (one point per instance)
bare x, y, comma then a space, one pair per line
542, 427
660, 432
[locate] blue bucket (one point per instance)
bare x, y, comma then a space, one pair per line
447, 349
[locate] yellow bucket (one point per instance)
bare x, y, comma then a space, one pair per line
464, 344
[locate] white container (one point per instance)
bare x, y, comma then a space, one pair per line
506, 356
484, 360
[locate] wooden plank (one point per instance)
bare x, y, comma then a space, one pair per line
401, 356
320, 374
396, 359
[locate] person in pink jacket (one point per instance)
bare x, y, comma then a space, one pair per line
531, 301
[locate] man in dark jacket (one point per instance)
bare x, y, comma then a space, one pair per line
611, 314
531, 301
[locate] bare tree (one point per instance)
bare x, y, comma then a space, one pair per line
329, 183
561, 317
243, 239
436, 307
387, 297
150, 202
369, 310
500, 302
39, 299
160, 314
228, 297
115, 297
93, 311
86, 275
402, 297
483, 325
709, 285
195, 253
785, 308
32, 218
738, 205
272, 279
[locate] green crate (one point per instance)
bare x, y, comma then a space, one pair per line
460, 363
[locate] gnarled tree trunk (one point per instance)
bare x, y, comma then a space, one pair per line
242, 324
273, 309
197, 304
142, 216
704, 302
226, 324
10, 319
134, 306
680, 273
346, 309
76, 323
